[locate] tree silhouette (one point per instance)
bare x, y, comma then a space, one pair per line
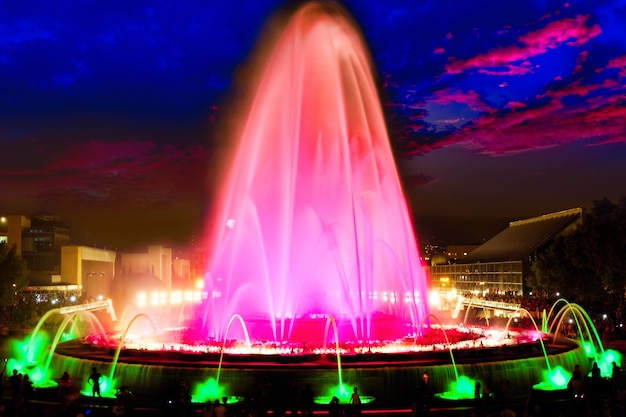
13, 273
589, 263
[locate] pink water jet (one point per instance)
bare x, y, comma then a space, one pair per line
310, 220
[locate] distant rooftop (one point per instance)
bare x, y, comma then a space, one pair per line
523, 237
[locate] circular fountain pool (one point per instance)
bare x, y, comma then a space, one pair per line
385, 370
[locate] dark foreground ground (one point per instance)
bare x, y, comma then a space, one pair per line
536, 405
54, 409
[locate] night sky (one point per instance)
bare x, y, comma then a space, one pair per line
110, 111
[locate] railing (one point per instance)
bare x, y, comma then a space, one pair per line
96, 305
499, 305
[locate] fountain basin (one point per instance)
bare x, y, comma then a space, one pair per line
390, 378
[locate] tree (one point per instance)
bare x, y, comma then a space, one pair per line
13, 273
605, 244
553, 272
589, 263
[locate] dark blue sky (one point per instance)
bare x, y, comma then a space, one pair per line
498, 110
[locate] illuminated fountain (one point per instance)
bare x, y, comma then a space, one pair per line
311, 228
311, 220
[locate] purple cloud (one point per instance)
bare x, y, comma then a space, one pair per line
513, 59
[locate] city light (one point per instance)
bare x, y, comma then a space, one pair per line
162, 298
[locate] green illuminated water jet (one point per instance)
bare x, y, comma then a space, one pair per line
120, 345
554, 378
55, 342
604, 358
331, 320
543, 347
34, 351
590, 328
461, 387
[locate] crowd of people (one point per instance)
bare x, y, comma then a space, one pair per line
20, 388
595, 395
588, 394
28, 307
16, 400
300, 401
606, 317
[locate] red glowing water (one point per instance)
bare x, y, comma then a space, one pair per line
311, 220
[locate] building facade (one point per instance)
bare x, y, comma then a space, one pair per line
500, 266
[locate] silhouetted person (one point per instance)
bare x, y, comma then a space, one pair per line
26, 389
65, 386
15, 383
219, 410
229, 412
424, 395
595, 371
355, 400
94, 380
487, 395
333, 407
594, 390
576, 383
616, 377
207, 409
478, 401
124, 402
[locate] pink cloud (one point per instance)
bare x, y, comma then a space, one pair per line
547, 126
583, 90
118, 174
522, 69
470, 98
570, 31
580, 60
516, 105
620, 63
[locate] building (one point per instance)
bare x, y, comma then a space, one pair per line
501, 265
181, 272
41, 247
11, 228
156, 262
91, 270
55, 264
38, 240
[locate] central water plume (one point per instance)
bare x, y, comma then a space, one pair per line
311, 220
